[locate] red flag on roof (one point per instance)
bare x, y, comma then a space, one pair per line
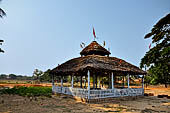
94, 33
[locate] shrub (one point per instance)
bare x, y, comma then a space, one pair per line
29, 91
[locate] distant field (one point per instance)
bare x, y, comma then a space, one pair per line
16, 81
26, 83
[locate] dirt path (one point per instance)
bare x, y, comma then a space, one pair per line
62, 104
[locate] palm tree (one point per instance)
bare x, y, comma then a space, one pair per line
2, 12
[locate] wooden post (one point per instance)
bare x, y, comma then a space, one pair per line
99, 82
72, 82
88, 73
93, 81
96, 81
52, 80
85, 81
102, 82
61, 81
143, 81
112, 81
128, 80
143, 85
123, 81
81, 81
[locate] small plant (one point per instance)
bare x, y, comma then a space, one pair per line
29, 91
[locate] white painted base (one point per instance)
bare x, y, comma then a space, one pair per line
97, 94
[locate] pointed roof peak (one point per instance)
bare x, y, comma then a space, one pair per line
94, 49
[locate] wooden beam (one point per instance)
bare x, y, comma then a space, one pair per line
96, 81
72, 81
123, 81
128, 80
52, 79
112, 81
143, 82
93, 81
88, 73
99, 82
81, 82
61, 81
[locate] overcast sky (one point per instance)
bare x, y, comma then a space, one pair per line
42, 34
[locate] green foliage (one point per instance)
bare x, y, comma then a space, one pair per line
29, 91
157, 59
14, 77
45, 76
36, 74
2, 14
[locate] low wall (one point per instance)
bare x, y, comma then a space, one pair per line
98, 94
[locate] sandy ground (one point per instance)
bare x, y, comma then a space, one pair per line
158, 90
64, 104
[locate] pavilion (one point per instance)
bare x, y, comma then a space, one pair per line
96, 63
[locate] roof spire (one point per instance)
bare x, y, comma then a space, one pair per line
94, 49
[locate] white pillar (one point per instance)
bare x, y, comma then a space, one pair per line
88, 73
72, 82
128, 80
112, 81
62, 81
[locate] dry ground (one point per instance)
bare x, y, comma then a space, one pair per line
63, 104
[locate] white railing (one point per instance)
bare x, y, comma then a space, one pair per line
83, 93
95, 94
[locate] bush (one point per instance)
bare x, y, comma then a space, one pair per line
29, 91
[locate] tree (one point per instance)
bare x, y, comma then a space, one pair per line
46, 76
36, 74
157, 59
2, 13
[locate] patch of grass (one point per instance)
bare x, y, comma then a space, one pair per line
107, 106
15, 81
29, 91
60, 107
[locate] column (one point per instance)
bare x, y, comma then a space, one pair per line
143, 82
72, 82
52, 80
96, 81
61, 81
88, 73
81, 81
143, 85
128, 81
99, 82
123, 81
93, 81
112, 81
85, 81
